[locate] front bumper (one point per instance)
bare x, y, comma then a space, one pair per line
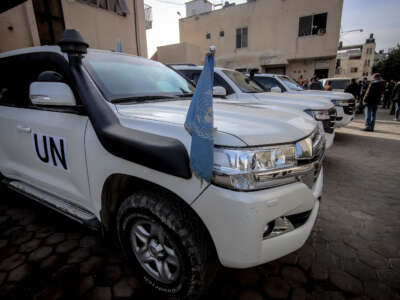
342, 119
329, 138
236, 221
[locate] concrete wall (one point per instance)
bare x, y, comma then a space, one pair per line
99, 27
18, 28
196, 7
183, 53
273, 27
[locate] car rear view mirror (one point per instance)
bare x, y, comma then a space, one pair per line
219, 91
51, 93
276, 89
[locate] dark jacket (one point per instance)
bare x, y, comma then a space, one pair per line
374, 93
353, 88
396, 93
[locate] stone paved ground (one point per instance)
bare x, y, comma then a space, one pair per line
353, 253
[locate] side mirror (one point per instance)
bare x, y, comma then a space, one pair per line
51, 93
219, 91
276, 89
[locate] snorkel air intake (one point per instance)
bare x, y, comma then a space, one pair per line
72, 43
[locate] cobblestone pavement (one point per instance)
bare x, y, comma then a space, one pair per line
353, 252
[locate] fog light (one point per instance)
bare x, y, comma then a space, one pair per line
277, 227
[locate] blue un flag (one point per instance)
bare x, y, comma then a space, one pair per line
200, 122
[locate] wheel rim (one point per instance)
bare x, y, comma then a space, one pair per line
155, 251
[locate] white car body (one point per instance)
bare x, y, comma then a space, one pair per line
344, 102
338, 83
234, 220
299, 103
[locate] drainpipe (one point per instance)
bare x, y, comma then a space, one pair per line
136, 28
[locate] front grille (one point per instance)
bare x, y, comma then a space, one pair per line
329, 125
349, 110
318, 153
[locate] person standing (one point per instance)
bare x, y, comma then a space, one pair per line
388, 92
328, 86
363, 89
316, 84
371, 100
300, 80
353, 88
396, 101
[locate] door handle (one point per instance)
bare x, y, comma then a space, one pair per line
24, 129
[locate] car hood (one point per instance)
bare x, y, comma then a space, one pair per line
253, 126
301, 102
327, 94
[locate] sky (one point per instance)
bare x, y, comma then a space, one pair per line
380, 17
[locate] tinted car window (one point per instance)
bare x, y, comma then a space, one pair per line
18, 72
194, 75
267, 82
245, 84
339, 84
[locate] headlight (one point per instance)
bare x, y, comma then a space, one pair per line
319, 115
242, 169
247, 169
342, 102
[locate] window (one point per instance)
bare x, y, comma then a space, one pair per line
244, 83
241, 38
117, 6
120, 76
218, 80
14, 84
267, 82
208, 35
367, 63
221, 33
313, 25
354, 70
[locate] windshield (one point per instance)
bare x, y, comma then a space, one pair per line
290, 83
126, 77
339, 84
245, 84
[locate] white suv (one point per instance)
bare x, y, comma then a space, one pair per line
344, 102
237, 88
99, 137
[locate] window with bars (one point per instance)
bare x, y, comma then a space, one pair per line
117, 6
313, 25
241, 37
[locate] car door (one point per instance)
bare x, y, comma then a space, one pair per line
46, 148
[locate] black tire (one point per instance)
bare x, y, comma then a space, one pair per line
183, 232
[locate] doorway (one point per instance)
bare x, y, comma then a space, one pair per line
321, 73
50, 20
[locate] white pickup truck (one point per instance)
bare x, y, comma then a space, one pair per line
344, 102
99, 137
237, 88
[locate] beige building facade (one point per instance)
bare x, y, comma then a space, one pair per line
293, 37
102, 24
356, 61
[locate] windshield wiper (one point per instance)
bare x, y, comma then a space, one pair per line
141, 98
185, 95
